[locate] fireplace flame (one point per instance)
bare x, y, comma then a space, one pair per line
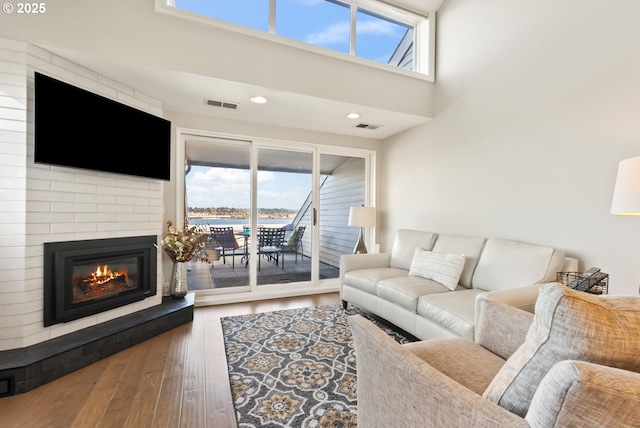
105, 274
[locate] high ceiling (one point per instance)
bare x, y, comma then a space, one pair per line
184, 92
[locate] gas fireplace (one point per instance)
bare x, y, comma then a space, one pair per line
83, 278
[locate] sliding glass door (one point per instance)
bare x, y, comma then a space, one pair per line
284, 208
284, 215
218, 203
343, 183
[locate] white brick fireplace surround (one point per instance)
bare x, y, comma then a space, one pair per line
40, 203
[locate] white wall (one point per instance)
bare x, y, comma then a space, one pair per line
42, 203
537, 102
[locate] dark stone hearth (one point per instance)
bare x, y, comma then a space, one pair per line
24, 369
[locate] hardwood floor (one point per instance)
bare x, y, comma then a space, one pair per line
176, 379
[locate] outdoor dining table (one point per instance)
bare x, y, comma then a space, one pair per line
245, 233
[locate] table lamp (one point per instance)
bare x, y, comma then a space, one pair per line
626, 194
362, 217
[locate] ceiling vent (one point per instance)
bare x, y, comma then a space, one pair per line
222, 104
367, 126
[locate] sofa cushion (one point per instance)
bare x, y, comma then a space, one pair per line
470, 246
474, 371
568, 325
508, 264
443, 268
454, 310
406, 291
404, 244
367, 279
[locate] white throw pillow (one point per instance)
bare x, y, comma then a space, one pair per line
442, 268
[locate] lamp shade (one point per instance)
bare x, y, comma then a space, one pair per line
362, 216
626, 194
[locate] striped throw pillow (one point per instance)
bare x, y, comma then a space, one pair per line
442, 268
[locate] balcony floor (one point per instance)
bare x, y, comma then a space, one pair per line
203, 276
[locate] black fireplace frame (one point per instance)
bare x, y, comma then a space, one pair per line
56, 254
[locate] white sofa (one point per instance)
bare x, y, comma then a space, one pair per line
507, 271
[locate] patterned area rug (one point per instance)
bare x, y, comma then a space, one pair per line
295, 368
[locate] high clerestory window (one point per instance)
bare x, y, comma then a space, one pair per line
369, 29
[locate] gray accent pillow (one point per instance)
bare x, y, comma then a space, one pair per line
568, 325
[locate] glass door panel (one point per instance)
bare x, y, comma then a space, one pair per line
218, 201
342, 185
284, 216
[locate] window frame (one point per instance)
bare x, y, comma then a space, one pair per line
423, 24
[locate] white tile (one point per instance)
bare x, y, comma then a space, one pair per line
12, 125
38, 228
118, 191
11, 206
50, 217
97, 198
96, 217
73, 228
38, 207
11, 138
16, 183
72, 187
50, 196
131, 200
73, 207
115, 208
116, 227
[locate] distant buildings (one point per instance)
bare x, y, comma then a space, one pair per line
240, 213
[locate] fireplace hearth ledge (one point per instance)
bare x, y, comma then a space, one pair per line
24, 369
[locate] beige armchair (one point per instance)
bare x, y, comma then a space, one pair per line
441, 382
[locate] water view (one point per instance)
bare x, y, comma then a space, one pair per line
238, 223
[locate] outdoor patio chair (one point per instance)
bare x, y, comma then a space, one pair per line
224, 240
295, 244
271, 244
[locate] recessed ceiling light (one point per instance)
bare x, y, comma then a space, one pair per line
259, 99
353, 115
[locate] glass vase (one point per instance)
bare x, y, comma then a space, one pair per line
178, 285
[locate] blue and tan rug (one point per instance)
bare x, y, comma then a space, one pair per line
296, 367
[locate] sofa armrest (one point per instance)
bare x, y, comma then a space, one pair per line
581, 394
501, 328
349, 262
520, 297
421, 395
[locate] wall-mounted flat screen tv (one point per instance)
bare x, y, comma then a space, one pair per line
77, 128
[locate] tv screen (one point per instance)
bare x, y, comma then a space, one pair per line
77, 128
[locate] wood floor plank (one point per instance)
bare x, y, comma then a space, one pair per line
177, 352
219, 403
194, 409
97, 402
15, 409
62, 408
176, 379
144, 404
194, 364
169, 403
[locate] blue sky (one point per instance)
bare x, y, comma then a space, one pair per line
225, 187
319, 22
